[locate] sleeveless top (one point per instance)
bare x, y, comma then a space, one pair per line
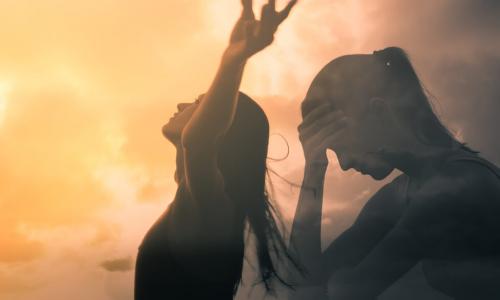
161, 274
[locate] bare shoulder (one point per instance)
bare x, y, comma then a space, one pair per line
462, 199
459, 193
388, 202
464, 180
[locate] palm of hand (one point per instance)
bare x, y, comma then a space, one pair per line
250, 35
320, 130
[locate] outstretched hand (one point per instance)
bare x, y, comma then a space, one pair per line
250, 35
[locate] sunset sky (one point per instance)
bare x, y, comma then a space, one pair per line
85, 87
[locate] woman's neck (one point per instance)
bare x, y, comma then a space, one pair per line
179, 163
420, 162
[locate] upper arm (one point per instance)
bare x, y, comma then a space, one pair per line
444, 213
205, 186
441, 212
375, 220
426, 221
395, 254
201, 173
201, 217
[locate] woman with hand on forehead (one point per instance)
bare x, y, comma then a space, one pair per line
195, 250
442, 212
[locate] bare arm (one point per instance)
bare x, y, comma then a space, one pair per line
216, 110
319, 128
376, 219
393, 256
305, 238
445, 207
206, 216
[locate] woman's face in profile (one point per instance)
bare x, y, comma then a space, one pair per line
365, 135
358, 150
173, 129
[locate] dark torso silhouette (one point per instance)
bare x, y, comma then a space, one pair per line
458, 232
466, 265
166, 271
463, 258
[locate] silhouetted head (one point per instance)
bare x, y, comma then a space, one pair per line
172, 130
388, 107
242, 161
242, 150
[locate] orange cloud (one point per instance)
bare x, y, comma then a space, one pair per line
11, 285
85, 87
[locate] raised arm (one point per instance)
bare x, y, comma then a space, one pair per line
214, 115
216, 110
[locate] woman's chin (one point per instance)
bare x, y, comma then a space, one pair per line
170, 134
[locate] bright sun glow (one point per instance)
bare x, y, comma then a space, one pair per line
4, 90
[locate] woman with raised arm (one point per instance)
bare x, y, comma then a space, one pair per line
195, 250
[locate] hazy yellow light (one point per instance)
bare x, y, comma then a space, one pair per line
4, 90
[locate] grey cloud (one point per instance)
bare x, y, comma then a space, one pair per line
454, 47
118, 265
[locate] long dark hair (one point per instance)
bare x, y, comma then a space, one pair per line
242, 162
413, 100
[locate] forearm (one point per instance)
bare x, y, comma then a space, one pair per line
305, 236
216, 110
395, 255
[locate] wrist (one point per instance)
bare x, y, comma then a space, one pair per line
317, 165
233, 57
315, 157
314, 174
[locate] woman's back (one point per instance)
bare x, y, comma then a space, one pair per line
467, 266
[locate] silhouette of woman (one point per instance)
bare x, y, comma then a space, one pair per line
443, 211
195, 249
